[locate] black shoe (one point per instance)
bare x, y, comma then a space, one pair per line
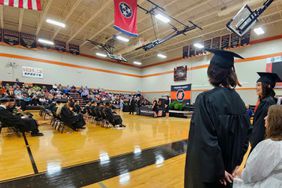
37, 134
82, 127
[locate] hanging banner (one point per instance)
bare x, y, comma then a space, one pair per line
74, 49
245, 40
27, 40
275, 66
60, 46
185, 51
225, 42
181, 93
1, 35
192, 51
235, 40
11, 37
207, 43
180, 73
32, 72
216, 43
126, 16
26, 4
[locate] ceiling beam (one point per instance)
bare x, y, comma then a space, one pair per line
108, 25
103, 7
199, 18
97, 33
43, 16
21, 20
218, 30
76, 4
2, 16
180, 41
138, 44
196, 6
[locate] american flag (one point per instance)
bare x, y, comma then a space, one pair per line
26, 4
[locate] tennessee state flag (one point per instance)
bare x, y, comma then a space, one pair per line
126, 16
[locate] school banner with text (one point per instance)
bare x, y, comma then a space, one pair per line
181, 93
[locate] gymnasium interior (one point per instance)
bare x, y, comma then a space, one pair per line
144, 60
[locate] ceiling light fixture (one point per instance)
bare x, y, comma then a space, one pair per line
44, 41
54, 22
199, 45
259, 31
123, 39
137, 63
162, 56
101, 54
162, 18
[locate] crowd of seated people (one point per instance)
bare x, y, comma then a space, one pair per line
60, 103
28, 95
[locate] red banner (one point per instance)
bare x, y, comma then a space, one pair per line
126, 16
26, 4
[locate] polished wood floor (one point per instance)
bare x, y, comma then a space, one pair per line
169, 174
54, 150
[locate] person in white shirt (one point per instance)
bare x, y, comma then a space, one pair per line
264, 165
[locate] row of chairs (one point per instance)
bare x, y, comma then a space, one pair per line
99, 117
55, 122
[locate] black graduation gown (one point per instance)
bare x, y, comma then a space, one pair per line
113, 118
11, 120
68, 117
218, 137
258, 133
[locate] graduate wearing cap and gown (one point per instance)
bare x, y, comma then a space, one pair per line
265, 85
219, 128
23, 123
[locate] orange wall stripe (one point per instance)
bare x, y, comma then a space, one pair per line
157, 74
277, 37
67, 53
206, 65
66, 64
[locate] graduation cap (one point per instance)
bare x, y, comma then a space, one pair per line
223, 59
269, 78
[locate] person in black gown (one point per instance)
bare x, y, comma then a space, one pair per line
219, 128
132, 104
112, 117
265, 92
72, 119
22, 122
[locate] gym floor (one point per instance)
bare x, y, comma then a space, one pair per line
149, 152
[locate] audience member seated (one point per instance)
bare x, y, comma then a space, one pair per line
264, 165
112, 117
70, 118
22, 122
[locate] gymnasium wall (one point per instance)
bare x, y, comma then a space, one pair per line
68, 69
158, 79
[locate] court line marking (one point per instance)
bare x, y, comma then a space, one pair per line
35, 169
46, 180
